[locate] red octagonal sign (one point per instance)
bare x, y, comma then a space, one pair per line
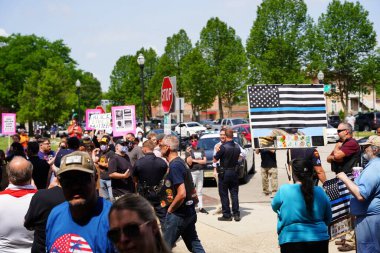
166, 95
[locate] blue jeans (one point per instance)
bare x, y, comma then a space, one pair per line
229, 182
176, 226
105, 189
367, 233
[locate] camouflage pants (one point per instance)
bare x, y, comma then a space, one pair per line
271, 173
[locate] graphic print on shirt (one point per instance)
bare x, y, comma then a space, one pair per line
70, 243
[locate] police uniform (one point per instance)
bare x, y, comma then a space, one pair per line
149, 172
310, 154
229, 179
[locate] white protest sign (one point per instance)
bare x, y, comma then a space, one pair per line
100, 121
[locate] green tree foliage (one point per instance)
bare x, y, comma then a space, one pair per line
347, 38
38, 78
275, 44
177, 46
197, 88
125, 88
224, 53
20, 56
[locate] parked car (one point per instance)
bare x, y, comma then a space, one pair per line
159, 123
243, 129
207, 123
247, 165
187, 129
367, 121
229, 122
334, 120
332, 134
182, 144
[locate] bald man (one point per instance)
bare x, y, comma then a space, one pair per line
15, 201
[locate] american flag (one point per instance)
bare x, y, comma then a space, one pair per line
70, 243
339, 197
287, 106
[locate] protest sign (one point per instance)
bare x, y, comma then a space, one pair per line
89, 113
8, 125
100, 121
123, 120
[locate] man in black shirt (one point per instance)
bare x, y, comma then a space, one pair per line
101, 156
148, 174
228, 177
39, 209
268, 169
119, 167
40, 167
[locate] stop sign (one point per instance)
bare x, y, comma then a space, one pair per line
166, 95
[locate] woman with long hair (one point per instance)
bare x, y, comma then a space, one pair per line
304, 212
134, 227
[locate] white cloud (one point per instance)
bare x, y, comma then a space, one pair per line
3, 32
91, 55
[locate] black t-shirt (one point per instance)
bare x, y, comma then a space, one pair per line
40, 171
310, 154
104, 157
196, 154
150, 169
39, 209
228, 154
120, 164
268, 159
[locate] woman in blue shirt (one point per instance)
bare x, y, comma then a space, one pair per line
304, 212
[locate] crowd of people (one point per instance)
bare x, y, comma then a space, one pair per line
102, 193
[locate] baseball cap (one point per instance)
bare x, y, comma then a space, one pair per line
105, 139
121, 142
79, 161
373, 141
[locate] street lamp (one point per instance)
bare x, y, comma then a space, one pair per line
320, 76
141, 61
77, 84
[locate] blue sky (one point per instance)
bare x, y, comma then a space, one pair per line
100, 32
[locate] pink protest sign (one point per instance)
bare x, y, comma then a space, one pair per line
123, 120
8, 123
90, 112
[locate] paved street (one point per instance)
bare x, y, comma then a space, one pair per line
256, 232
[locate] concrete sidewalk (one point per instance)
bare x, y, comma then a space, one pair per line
256, 232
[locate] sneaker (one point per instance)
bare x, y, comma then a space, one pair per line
237, 218
223, 218
340, 242
346, 247
202, 210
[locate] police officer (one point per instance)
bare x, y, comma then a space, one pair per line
148, 174
312, 155
228, 154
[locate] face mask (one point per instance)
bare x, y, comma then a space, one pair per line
103, 147
194, 144
85, 135
139, 136
124, 149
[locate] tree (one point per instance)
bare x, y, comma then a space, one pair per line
20, 57
347, 39
48, 95
275, 44
223, 52
196, 87
177, 46
125, 85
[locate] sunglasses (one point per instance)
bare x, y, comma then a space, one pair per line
132, 230
341, 130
